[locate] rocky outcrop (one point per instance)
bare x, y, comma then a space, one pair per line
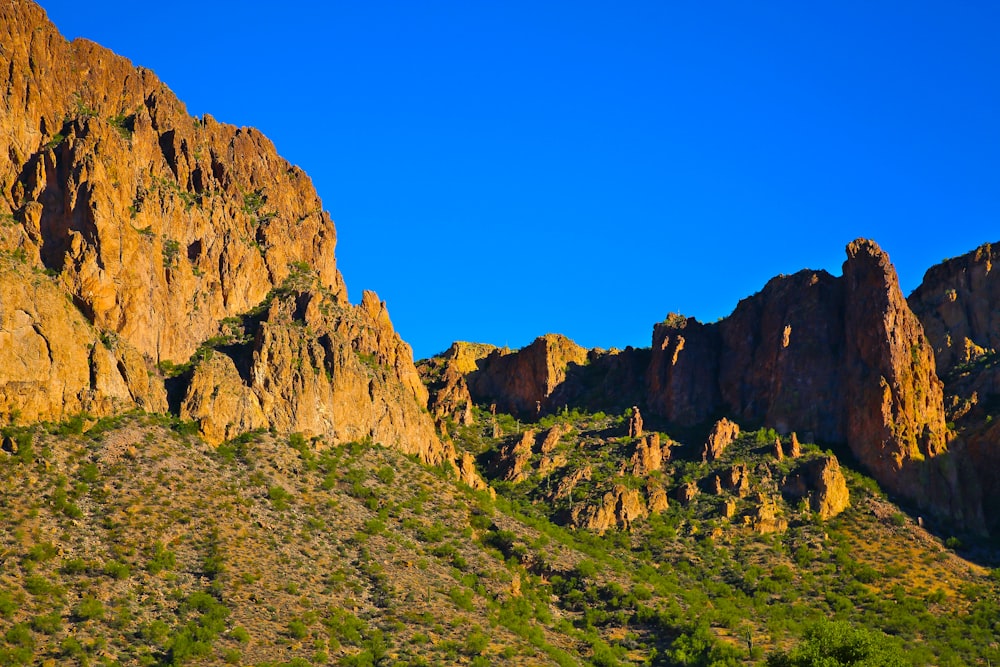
765, 517
821, 482
54, 364
781, 356
445, 378
521, 382
565, 487
163, 230
469, 475
794, 448
647, 457
159, 224
895, 415
618, 508
320, 368
957, 306
635, 423
514, 458
841, 359
552, 437
687, 492
657, 498
721, 436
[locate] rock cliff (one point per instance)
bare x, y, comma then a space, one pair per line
521, 382
839, 359
159, 231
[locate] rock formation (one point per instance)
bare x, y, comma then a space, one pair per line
765, 517
647, 458
795, 449
685, 353
957, 306
687, 492
822, 483
515, 456
618, 508
721, 436
895, 415
53, 363
841, 358
159, 230
635, 423
552, 437
519, 382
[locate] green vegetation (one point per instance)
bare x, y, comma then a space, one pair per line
290, 548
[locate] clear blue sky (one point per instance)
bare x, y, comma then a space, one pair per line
500, 170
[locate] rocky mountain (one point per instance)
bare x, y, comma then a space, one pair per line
180, 243
209, 455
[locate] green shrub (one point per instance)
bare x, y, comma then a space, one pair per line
89, 608
117, 570
833, 643
47, 623
161, 560
298, 629
278, 497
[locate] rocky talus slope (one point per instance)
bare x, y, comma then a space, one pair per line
129, 222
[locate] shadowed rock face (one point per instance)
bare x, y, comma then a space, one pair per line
958, 304
895, 403
841, 359
159, 226
521, 382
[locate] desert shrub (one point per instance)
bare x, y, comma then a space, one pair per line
833, 643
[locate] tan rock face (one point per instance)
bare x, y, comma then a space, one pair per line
619, 508
54, 364
721, 436
821, 481
515, 457
318, 367
521, 382
159, 226
765, 517
469, 475
647, 458
657, 498
553, 436
956, 304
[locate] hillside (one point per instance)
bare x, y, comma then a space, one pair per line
209, 455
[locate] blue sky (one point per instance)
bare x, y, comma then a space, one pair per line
498, 171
